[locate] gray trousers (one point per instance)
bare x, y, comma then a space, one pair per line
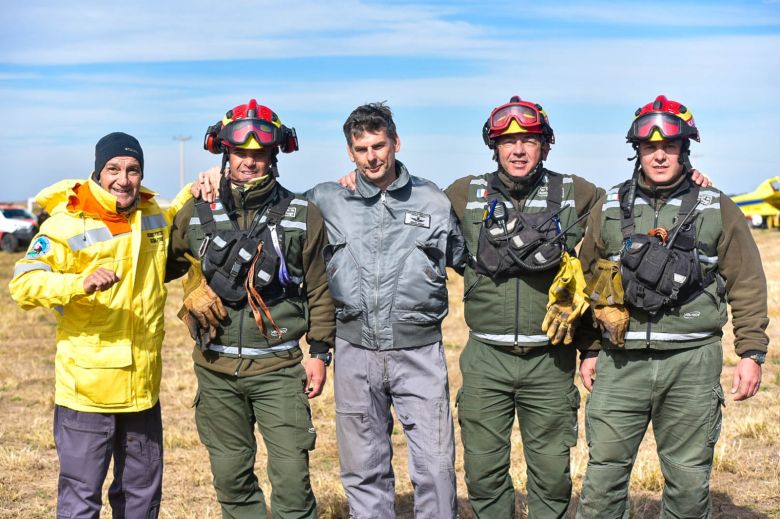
86, 442
414, 382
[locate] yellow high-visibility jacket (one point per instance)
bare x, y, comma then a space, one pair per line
108, 343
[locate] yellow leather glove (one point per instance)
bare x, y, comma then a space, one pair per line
567, 301
613, 320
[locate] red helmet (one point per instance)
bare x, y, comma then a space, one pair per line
250, 126
662, 119
516, 116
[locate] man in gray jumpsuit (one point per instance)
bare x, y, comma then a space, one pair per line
390, 241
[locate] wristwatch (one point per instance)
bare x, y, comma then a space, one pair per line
326, 357
759, 357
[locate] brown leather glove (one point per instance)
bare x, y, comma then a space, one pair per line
197, 297
201, 337
205, 306
613, 320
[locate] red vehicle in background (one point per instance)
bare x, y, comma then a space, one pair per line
17, 227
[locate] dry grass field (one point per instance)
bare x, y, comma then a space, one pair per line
745, 481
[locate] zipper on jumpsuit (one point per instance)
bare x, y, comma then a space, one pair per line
517, 310
655, 224
519, 204
241, 314
383, 200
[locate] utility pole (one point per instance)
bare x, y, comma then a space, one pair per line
181, 139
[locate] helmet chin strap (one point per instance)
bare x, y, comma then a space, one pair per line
685, 157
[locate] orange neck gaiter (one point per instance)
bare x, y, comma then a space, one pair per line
85, 201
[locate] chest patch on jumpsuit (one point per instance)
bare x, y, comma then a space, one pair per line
417, 219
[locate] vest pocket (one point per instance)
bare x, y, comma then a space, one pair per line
634, 254
218, 250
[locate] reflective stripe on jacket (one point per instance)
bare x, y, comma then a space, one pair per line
109, 342
509, 312
699, 321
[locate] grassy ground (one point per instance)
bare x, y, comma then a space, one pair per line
745, 481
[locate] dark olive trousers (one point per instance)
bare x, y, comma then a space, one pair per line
226, 410
539, 389
679, 392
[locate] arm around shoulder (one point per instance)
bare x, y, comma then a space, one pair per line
458, 193
587, 195
177, 264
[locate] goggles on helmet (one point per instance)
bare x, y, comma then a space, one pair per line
526, 116
239, 131
670, 126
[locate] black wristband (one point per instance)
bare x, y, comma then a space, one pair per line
318, 347
588, 354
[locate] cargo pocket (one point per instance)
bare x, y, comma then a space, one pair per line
715, 417
355, 432
573, 396
457, 402
587, 421
305, 430
469, 416
201, 421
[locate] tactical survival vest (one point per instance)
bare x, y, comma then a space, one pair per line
229, 256
661, 268
513, 242
504, 311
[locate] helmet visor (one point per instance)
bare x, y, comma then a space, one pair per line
668, 125
526, 116
238, 132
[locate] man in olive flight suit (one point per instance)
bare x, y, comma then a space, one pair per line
670, 254
257, 285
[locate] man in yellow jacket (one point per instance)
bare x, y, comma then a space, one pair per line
99, 262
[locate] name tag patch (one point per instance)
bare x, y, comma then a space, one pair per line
290, 213
417, 219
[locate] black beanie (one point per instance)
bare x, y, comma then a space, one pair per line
117, 144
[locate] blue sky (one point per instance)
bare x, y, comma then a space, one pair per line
73, 71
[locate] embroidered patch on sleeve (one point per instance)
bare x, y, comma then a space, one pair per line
40, 247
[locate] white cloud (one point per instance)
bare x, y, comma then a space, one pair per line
656, 14
590, 86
